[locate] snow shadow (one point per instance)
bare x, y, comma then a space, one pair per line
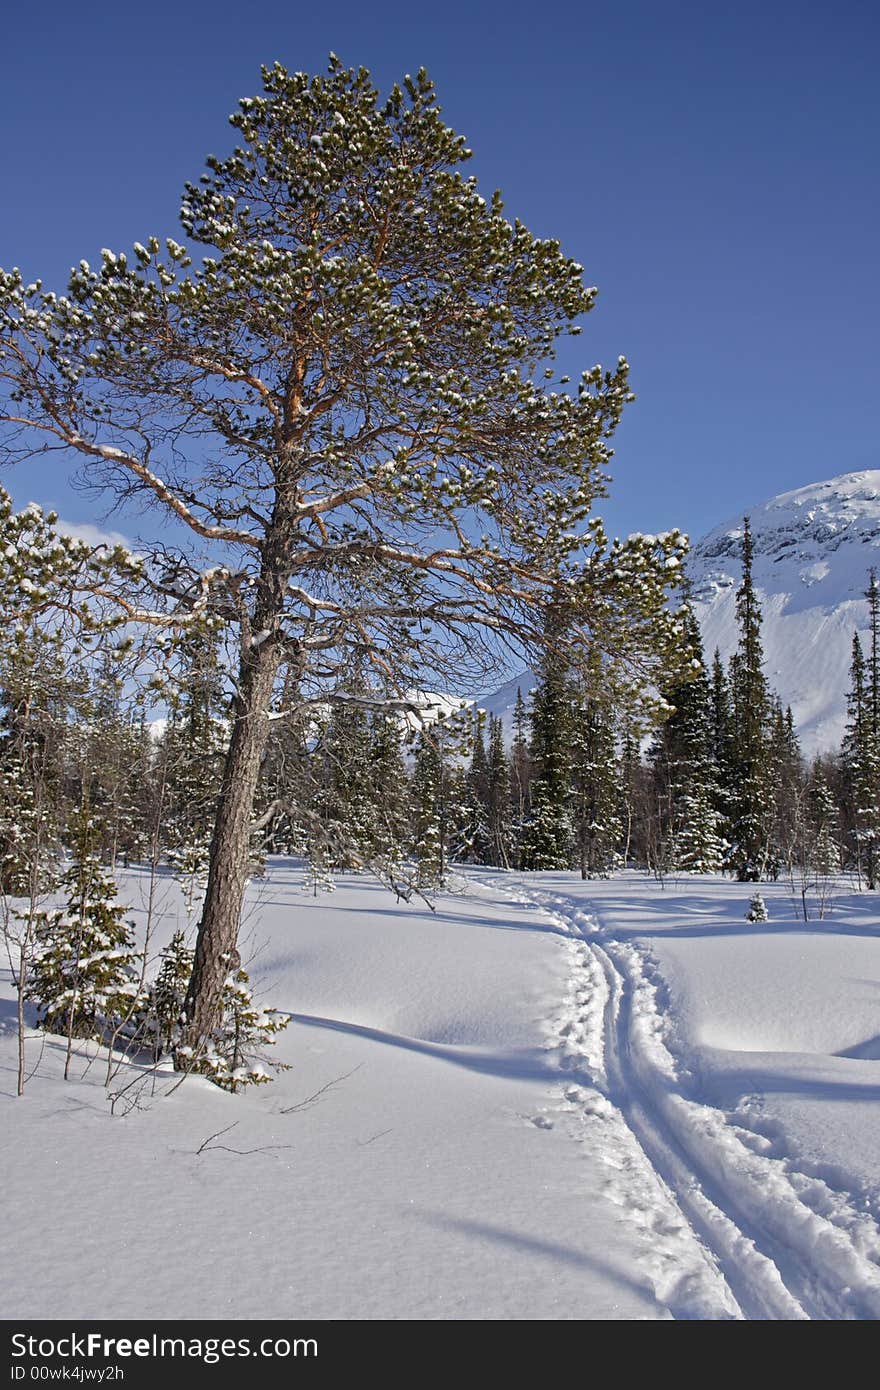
533, 1245
734, 1084
418, 916
713, 922
516, 1064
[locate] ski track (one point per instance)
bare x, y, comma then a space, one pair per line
731, 1232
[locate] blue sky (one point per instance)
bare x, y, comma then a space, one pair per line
714, 167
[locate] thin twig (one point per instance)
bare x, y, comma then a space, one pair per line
207, 1147
362, 1143
315, 1096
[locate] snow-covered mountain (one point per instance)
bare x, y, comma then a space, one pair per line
813, 550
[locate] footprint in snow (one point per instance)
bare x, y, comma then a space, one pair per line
541, 1122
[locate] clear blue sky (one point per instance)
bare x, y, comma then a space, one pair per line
713, 166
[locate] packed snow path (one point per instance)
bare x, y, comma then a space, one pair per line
782, 1245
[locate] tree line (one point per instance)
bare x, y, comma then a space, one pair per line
106, 762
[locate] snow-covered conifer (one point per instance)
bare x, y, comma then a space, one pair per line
86, 973
595, 787
159, 1023
860, 762
347, 408
757, 909
752, 794
234, 1055
548, 839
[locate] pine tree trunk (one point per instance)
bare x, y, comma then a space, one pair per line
230, 845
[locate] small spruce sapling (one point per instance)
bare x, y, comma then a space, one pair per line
757, 909
163, 1013
234, 1056
85, 977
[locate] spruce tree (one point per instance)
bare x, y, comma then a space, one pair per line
478, 834
193, 749
721, 749
346, 805
757, 909
35, 699
548, 840
440, 797
860, 758
752, 791
595, 784
629, 793
686, 789
235, 1056
86, 974
786, 774
824, 824
389, 790
498, 806
160, 1022
520, 777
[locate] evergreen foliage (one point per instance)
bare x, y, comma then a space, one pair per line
595, 784
160, 1020
686, 788
548, 837
757, 909
234, 1056
752, 853
860, 759
85, 978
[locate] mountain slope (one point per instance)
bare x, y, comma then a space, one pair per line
814, 547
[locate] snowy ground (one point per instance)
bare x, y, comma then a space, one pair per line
547, 1099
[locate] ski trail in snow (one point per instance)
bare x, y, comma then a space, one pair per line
774, 1251
753, 1279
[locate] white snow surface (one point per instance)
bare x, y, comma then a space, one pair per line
545, 1099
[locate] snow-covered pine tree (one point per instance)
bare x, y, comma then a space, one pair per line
287, 773
752, 801
36, 692
595, 776
824, 854
428, 832
86, 973
786, 774
860, 762
685, 788
477, 832
160, 1021
235, 1055
347, 806
520, 777
439, 796
548, 839
389, 790
351, 365
630, 793
721, 749
757, 909
192, 750
498, 806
